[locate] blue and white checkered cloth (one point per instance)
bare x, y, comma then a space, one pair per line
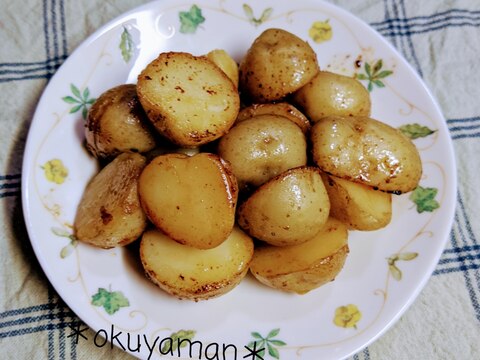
440, 39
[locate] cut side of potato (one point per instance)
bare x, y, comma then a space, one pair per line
303, 267
289, 209
109, 213
189, 99
281, 109
365, 150
116, 123
195, 274
225, 62
262, 147
192, 199
359, 206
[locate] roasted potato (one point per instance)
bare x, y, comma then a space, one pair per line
188, 99
367, 151
117, 123
262, 147
192, 199
359, 206
225, 62
277, 63
190, 273
109, 213
303, 267
281, 109
333, 94
289, 209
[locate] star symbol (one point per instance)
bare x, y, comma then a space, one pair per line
254, 353
77, 332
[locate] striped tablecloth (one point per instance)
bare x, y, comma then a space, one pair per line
440, 39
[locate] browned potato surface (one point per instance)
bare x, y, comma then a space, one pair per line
367, 151
277, 64
303, 267
117, 123
281, 109
189, 99
289, 209
333, 94
357, 205
190, 273
262, 147
192, 199
109, 213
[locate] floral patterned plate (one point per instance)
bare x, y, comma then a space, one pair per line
107, 289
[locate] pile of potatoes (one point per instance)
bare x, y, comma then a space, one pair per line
221, 168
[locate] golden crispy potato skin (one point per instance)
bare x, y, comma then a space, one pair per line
117, 123
109, 213
189, 99
262, 147
303, 267
367, 151
278, 63
195, 274
192, 199
289, 209
283, 109
359, 206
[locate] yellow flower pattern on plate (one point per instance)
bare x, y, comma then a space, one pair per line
55, 171
347, 316
320, 31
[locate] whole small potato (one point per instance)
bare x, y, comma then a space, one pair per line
262, 147
333, 94
194, 274
303, 267
289, 209
192, 199
277, 64
367, 151
117, 123
281, 109
188, 99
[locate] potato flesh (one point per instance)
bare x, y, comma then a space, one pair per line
196, 274
189, 99
303, 267
357, 205
281, 109
367, 151
117, 123
224, 61
333, 94
289, 209
109, 213
262, 147
190, 198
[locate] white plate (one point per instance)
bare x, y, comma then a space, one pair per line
107, 288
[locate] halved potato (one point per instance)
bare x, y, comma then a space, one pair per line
117, 123
277, 64
359, 206
195, 274
262, 147
303, 267
189, 99
281, 109
192, 199
225, 62
333, 94
289, 209
367, 151
109, 213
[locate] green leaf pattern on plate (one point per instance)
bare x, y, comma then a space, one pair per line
415, 131
79, 100
424, 199
251, 17
111, 301
267, 343
190, 20
374, 74
177, 337
126, 45
392, 260
68, 249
